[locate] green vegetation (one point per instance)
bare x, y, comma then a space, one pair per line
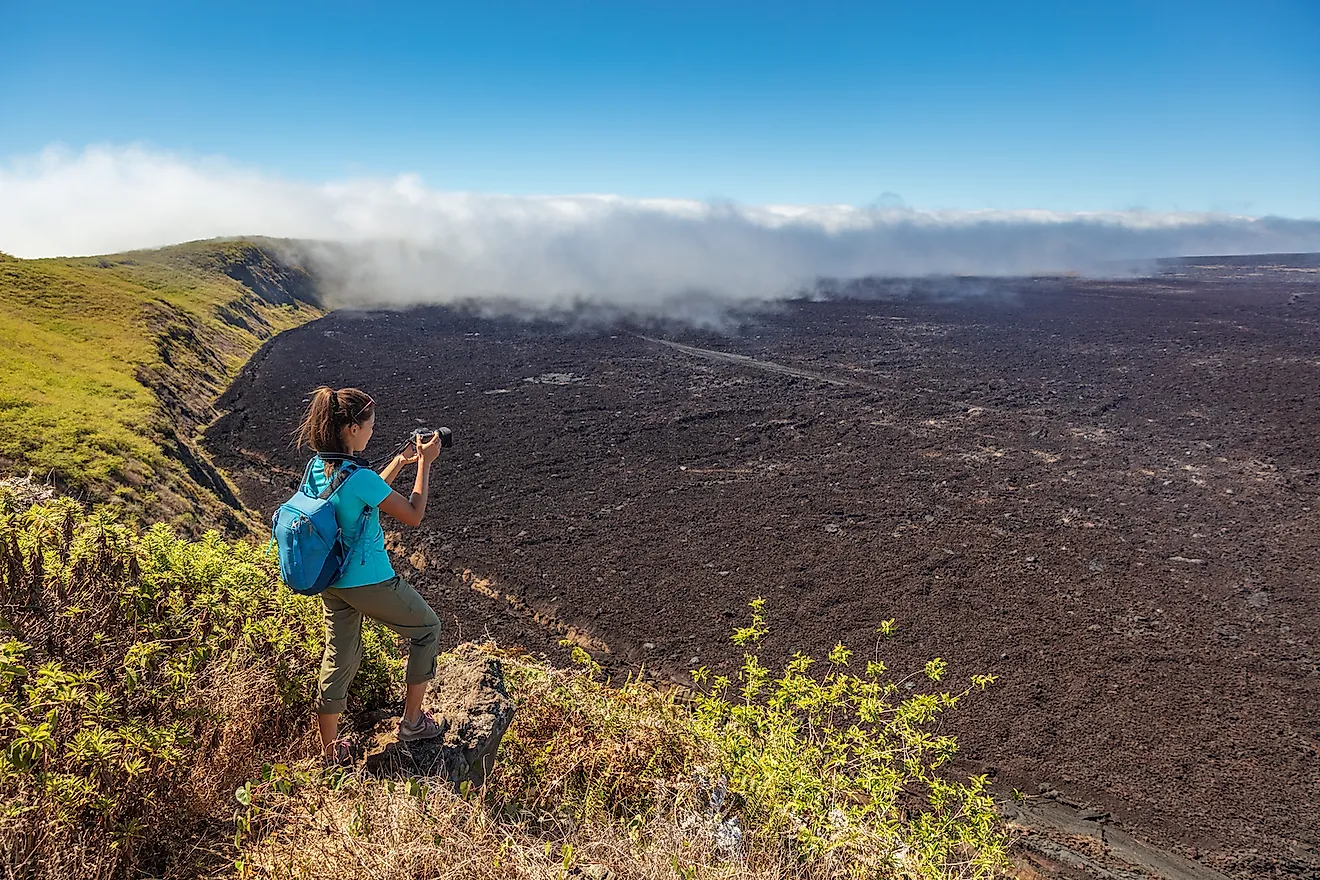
111, 364
155, 707
142, 677
845, 767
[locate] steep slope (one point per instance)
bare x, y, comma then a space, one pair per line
109, 366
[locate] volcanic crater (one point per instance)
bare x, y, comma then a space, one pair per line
1103, 492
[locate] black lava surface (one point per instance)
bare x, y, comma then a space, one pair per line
1103, 492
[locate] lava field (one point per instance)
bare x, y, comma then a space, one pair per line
1106, 493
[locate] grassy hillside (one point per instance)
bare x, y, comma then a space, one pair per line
110, 365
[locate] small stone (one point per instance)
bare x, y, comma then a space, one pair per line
650, 646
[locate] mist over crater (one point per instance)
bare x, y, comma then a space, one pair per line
396, 242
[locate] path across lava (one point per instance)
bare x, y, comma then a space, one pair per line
743, 360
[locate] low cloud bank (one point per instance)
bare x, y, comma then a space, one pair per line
394, 241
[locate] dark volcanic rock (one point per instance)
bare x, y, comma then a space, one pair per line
1008, 469
272, 279
470, 701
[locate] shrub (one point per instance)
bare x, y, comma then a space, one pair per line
844, 769
142, 677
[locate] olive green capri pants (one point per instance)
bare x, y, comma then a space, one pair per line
394, 603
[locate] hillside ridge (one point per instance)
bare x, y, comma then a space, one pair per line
117, 360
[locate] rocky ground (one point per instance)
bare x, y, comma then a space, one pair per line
1104, 492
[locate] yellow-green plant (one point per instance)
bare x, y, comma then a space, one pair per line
834, 774
845, 764
141, 678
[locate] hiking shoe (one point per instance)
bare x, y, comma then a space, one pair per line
425, 728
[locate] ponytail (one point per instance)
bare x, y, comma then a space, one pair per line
329, 412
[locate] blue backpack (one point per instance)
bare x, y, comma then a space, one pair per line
311, 545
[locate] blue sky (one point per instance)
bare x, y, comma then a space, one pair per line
1068, 106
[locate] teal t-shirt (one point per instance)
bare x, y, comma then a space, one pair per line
368, 562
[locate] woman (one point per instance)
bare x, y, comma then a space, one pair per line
337, 425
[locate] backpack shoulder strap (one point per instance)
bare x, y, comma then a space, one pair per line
346, 470
359, 545
307, 475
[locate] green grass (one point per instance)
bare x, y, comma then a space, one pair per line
86, 339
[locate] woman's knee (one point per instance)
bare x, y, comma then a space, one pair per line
428, 631
425, 648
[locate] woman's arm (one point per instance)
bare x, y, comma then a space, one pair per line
392, 469
410, 510
399, 462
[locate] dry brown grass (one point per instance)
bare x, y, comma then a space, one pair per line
370, 832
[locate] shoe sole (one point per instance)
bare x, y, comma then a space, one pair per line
414, 737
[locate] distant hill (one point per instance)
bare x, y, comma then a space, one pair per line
1273, 261
111, 364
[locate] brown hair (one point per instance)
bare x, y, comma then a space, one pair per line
330, 412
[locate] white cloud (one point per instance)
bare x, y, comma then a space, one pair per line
399, 241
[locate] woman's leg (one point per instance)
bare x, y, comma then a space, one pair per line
412, 701
343, 656
400, 607
328, 725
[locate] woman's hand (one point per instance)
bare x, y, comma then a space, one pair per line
408, 456
430, 450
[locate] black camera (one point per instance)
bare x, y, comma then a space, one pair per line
421, 435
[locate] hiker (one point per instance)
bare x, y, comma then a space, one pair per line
338, 426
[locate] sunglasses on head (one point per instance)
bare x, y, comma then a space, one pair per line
354, 418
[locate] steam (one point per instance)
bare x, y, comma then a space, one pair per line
395, 241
